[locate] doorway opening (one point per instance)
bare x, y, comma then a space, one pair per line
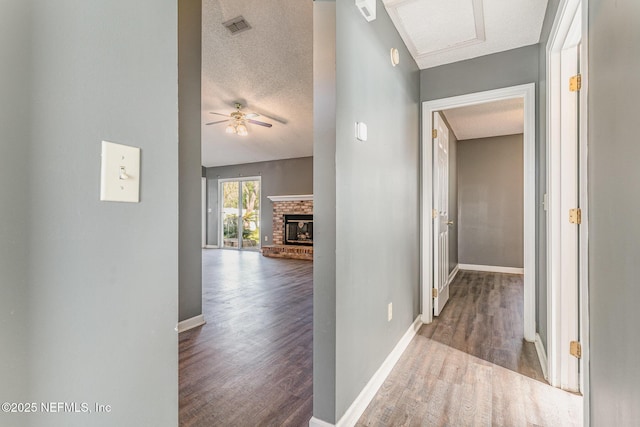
429, 287
239, 213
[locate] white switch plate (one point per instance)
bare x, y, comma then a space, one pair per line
390, 312
120, 175
361, 131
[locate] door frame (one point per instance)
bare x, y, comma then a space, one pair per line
561, 312
527, 93
221, 181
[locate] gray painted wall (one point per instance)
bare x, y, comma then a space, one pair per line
490, 217
279, 177
190, 165
91, 286
614, 234
504, 69
324, 210
376, 200
15, 51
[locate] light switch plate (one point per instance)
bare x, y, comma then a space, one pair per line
120, 175
361, 131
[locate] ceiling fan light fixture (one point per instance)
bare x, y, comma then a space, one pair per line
231, 129
241, 129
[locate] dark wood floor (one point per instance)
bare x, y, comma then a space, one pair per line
471, 367
251, 364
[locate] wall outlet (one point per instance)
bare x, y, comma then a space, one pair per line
390, 312
266, 238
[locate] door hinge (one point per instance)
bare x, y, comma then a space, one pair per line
434, 292
575, 83
434, 133
575, 216
434, 213
575, 349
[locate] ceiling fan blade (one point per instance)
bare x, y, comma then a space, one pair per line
251, 115
255, 122
219, 114
215, 123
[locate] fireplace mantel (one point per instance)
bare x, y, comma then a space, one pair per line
299, 197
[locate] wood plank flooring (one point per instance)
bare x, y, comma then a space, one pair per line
251, 364
471, 367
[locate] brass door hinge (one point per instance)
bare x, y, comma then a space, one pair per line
575, 349
434, 213
575, 216
434, 133
575, 83
434, 292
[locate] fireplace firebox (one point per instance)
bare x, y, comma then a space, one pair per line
298, 230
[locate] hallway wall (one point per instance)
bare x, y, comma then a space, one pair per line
371, 198
614, 234
88, 295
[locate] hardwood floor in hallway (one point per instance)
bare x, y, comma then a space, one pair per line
251, 364
471, 366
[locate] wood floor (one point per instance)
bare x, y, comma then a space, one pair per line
251, 364
471, 367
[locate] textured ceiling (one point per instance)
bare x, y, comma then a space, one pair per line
441, 32
268, 69
489, 119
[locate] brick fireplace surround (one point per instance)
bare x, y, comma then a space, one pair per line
286, 205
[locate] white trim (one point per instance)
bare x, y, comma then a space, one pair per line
317, 422
357, 408
542, 356
211, 247
191, 323
527, 92
293, 198
561, 311
491, 268
453, 274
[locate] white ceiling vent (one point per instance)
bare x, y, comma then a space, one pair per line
237, 25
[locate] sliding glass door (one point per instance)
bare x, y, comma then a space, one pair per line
240, 213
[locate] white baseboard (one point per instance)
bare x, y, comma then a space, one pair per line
357, 408
191, 323
542, 356
210, 247
316, 422
452, 275
491, 268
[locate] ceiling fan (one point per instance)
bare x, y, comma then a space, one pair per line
238, 121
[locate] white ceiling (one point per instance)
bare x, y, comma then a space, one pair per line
496, 118
439, 32
269, 68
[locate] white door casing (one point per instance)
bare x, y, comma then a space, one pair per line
566, 174
527, 93
440, 213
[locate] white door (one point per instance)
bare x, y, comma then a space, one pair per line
440, 214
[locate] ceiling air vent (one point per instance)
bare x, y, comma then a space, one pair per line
237, 25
